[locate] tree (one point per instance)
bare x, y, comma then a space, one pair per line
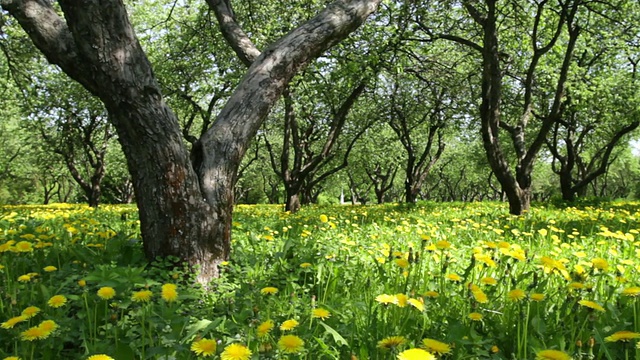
505, 74
185, 200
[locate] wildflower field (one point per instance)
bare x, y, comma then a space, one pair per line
431, 281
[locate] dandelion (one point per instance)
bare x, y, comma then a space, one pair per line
142, 296
401, 262
416, 354
453, 277
474, 316
320, 313
264, 328
591, 304
623, 336
431, 294
305, 265
600, 263
34, 333
443, 244
24, 278
24, 246
391, 342
480, 296
204, 347
57, 301
106, 293
416, 304
401, 300
169, 293
269, 290
436, 346
488, 281
11, 358
50, 268
289, 325
100, 357
537, 297
632, 291
82, 283
324, 218
516, 295
48, 326
290, 344
386, 299
552, 355
495, 349
9, 324
30, 312
235, 352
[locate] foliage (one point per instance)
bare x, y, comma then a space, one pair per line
485, 284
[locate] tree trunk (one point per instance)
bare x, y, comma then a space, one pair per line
185, 203
293, 202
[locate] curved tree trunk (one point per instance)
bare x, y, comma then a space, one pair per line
185, 200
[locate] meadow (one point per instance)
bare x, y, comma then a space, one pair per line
430, 281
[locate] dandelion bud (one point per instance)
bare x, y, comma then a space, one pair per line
579, 343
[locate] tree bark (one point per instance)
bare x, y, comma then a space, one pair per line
185, 202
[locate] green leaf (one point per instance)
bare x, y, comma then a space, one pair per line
336, 337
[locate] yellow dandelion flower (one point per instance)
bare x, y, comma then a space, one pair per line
436, 346
290, 344
431, 294
30, 312
488, 281
443, 244
516, 295
552, 355
623, 336
9, 324
537, 296
289, 325
24, 278
401, 262
235, 352
416, 304
169, 293
264, 328
48, 326
34, 333
576, 286
50, 268
305, 265
591, 304
57, 301
401, 300
391, 342
106, 293
204, 347
24, 246
631, 291
600, 263
100, 357
11, 358
480, 296
324, 218
142, 296
495, 349
453, 277
82, 283
386, 299
269, 290
416, 354
474, 316
320, 313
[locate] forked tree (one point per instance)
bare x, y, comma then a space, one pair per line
185, 198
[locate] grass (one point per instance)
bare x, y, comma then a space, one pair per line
461, 281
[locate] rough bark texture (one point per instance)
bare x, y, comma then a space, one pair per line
517, 185
185, 208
